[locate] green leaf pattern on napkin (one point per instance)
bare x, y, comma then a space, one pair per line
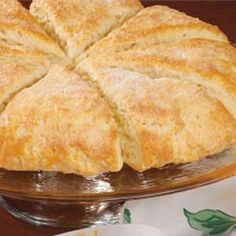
211, 222
127, 216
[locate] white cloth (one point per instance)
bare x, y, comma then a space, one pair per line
116, 230
166, 212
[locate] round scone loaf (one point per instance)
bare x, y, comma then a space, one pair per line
144, 86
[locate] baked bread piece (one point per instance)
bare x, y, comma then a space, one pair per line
165, 120
77, 24
17, 26
149, 94
60, 124
209, 63
20, 68
175, 99
154, 25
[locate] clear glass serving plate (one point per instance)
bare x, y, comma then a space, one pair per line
56, 199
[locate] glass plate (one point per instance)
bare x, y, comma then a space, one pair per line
56, 199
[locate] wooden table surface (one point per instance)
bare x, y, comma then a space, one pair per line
221, 13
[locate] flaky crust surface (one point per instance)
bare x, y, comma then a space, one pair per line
154, 25
20, 67
159, 89
60, 124
165, 120
209, 63
17, 26
77, 24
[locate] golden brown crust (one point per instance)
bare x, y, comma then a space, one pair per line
17, 26
61, 124
176, 107
21, 51
165, 120
209, 63
18, 52
20, 68
153, 25
163, 90
77, 24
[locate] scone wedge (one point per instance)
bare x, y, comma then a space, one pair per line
175, 99
208, 63
165, 120
60, 124
21, 67
18, 27
154, 25
77, 24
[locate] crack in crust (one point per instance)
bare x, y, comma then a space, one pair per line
61, 123
154, 25
77, 24
204, 69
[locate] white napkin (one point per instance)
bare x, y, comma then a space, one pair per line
117, 230
217, 217
166, 212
